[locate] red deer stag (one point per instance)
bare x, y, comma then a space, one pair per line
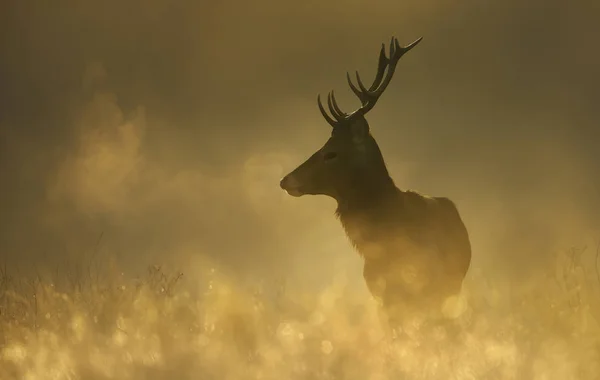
416, 249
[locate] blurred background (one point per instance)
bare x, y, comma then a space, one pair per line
157, 131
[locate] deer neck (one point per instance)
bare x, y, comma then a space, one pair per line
364, 201
369, 186
364, 218
365, 192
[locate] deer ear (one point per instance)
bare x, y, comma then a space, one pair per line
359, 130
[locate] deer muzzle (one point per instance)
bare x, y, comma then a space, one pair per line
291, 186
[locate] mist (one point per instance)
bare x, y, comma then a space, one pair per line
163, 125
156, 132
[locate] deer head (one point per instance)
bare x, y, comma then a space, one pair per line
350, 159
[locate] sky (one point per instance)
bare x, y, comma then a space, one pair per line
158, 130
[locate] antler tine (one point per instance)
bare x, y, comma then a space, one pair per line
396, 52
356, 91
360, 84
368, 96
328, 118
381, 66
332, 110
342, 115
363, 93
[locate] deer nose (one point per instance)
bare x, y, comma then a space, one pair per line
283, 182
291, 185
288, 182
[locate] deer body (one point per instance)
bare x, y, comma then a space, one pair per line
416, 249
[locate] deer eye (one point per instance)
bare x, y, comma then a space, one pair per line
329, 156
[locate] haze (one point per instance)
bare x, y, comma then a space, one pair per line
164, 127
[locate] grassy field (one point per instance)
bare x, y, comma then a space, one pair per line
79, 323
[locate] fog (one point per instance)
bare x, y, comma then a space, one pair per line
156, 132
166, 126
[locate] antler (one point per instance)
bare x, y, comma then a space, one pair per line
368, 97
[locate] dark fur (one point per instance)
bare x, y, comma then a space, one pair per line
416, 249
393, 230
400, 229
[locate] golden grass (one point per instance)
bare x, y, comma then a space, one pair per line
104, 326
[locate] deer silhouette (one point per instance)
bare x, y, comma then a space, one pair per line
416, 249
